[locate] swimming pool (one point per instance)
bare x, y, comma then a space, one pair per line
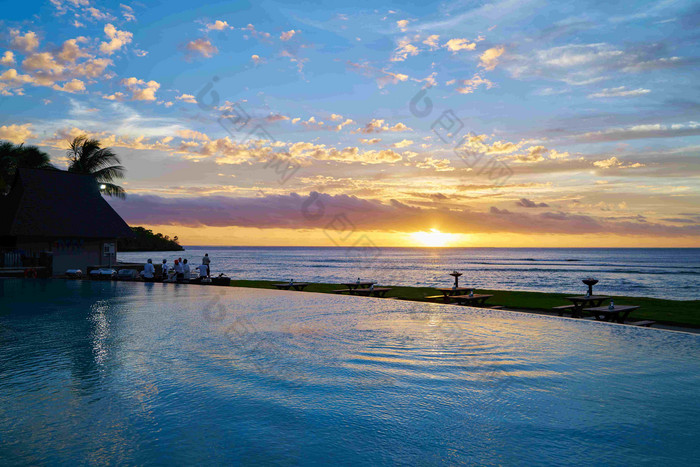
95, 372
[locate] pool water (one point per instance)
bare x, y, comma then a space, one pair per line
97, 372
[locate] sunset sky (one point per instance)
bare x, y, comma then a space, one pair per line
504, 123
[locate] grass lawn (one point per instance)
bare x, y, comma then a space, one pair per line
682, 313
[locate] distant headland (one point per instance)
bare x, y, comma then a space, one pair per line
146, 240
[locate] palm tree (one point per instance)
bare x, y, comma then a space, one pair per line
88, 157
19, 156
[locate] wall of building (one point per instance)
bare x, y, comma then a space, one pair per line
71, 253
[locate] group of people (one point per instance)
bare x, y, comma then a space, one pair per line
179, 272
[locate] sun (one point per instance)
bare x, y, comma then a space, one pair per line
432, 238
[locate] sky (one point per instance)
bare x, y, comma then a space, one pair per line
504, 123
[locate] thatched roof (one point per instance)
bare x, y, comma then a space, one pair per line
55, 203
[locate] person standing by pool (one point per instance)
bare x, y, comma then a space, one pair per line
205, 262
149, 271
186, 270
179, 274
166, 268
203, 272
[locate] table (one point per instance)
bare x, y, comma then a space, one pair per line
582, 301
447, 292
294, 285
358, 285
368, 292
618, 314
471, 300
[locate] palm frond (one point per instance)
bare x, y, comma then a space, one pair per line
111, 189
109, 174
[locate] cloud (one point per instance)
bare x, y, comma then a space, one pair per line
74, 85
263, 36
351, 154
354, 154
218, 25
256, 59
92, 68
191, 134
378, 126
371, 141
276, 118
117, 96
489, 59
655, 130
455, 45
285, 211
99, 15
52, 68
526, 203
7, 59
140, 89
189, 98
389, 77
468, 86
127, 12
615, 163
202, 47
539, 154
402, 144
403, 49
402, 24
42, 62
16, 133
582, 64
71, 51
382, 76
285, 36
439, 165
340, 126
24, 43
117, 39
432, 42
622, 91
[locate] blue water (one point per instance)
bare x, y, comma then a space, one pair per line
115, 372
660, 273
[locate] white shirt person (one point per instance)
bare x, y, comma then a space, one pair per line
149, 271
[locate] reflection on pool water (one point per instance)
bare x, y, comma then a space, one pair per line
162, 373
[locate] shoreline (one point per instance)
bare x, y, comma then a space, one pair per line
679, 315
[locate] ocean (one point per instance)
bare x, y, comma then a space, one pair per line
661, 273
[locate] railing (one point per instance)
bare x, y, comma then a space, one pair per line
10, 259
20, 258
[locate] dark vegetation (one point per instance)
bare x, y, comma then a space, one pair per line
146, 240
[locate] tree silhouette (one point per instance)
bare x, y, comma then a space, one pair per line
19, 156
88, 157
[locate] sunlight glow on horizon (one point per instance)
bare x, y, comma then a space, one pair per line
433, 238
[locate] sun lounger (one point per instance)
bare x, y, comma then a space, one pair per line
127, 274
103, 274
